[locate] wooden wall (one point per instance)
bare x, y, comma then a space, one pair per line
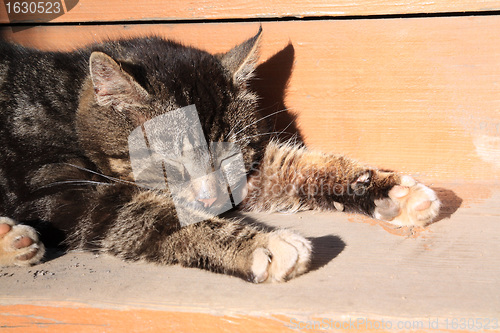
175, 10
417, 93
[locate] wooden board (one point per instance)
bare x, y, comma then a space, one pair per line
116, 10
419, 95
444, 273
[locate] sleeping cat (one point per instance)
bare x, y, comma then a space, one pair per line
65, 163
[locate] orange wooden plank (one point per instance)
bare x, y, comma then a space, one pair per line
29, 318
39, 319
416, 95
116, 10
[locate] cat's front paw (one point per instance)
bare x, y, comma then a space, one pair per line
285, 256
408, 204
19, 244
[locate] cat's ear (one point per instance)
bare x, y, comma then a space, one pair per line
113, 86
241, 60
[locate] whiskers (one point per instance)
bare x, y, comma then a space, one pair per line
232, 135
85, 182
76, 183
275, 134
247, 138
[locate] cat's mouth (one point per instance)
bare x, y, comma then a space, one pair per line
207, 203
203, 204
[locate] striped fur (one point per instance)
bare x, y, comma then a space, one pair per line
65, 166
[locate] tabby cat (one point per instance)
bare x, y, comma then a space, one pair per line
65, 166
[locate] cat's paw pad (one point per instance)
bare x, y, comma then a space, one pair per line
408, 204
19, 244
285, 256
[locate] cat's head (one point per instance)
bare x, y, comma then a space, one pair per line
133, 83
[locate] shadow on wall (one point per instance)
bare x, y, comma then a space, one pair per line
270, 83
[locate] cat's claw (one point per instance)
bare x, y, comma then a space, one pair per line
408, 204
19, 244
285, 256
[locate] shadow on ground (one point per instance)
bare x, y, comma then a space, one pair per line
450, 202
325, 249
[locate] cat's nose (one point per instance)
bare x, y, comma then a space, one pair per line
208, 202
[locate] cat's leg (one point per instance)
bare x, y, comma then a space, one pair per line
291, 178
233, 247
147, 229
19, 244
